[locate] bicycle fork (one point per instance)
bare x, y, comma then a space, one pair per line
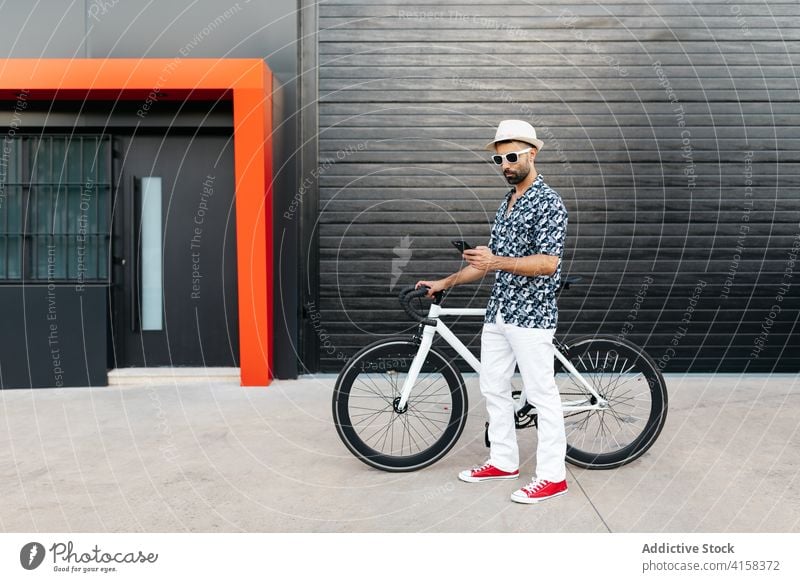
416, 365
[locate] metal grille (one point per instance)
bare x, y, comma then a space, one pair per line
55, 209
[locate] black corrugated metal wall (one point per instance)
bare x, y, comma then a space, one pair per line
671, 132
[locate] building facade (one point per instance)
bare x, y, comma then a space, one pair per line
669, 128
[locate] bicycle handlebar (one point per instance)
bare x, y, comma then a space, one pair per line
409, 293
406, 295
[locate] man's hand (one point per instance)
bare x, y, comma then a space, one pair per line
481, 258
435, 286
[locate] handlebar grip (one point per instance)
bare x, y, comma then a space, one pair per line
406, 295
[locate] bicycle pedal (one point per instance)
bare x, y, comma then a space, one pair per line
526, 421
523, 412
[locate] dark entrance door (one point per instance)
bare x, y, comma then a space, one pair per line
174, 292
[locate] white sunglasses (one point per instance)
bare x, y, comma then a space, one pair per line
510, 157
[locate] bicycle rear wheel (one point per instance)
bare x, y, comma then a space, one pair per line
630, 381
367, 418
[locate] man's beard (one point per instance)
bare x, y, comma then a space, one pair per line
514, 177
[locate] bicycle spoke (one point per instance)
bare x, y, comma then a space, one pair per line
580, 387
373, 411
422, 391
376, 391
371, 407
411, 436
619, 374
431, 420
620, 377
408, 432
380, 430
389, 430
421, 435
429, 398
368, 424
629, 380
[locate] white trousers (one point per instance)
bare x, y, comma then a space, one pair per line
502, 347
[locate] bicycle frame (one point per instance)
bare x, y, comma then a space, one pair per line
429, 332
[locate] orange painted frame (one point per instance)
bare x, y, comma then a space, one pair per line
249, 83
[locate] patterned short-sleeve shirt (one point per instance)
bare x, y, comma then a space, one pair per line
536, 225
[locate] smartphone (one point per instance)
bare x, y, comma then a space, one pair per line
461, 245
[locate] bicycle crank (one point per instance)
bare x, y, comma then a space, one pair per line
524, 418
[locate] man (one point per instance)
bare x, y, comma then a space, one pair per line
524, 252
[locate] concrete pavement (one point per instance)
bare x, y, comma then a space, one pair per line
212, 456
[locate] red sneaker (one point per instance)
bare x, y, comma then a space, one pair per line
486, 472
539, 490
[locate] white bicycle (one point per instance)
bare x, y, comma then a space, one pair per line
400, 404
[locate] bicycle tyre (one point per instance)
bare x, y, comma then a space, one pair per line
429, 427
636, 392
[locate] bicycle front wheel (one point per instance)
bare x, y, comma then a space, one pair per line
366, 413
629, 380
